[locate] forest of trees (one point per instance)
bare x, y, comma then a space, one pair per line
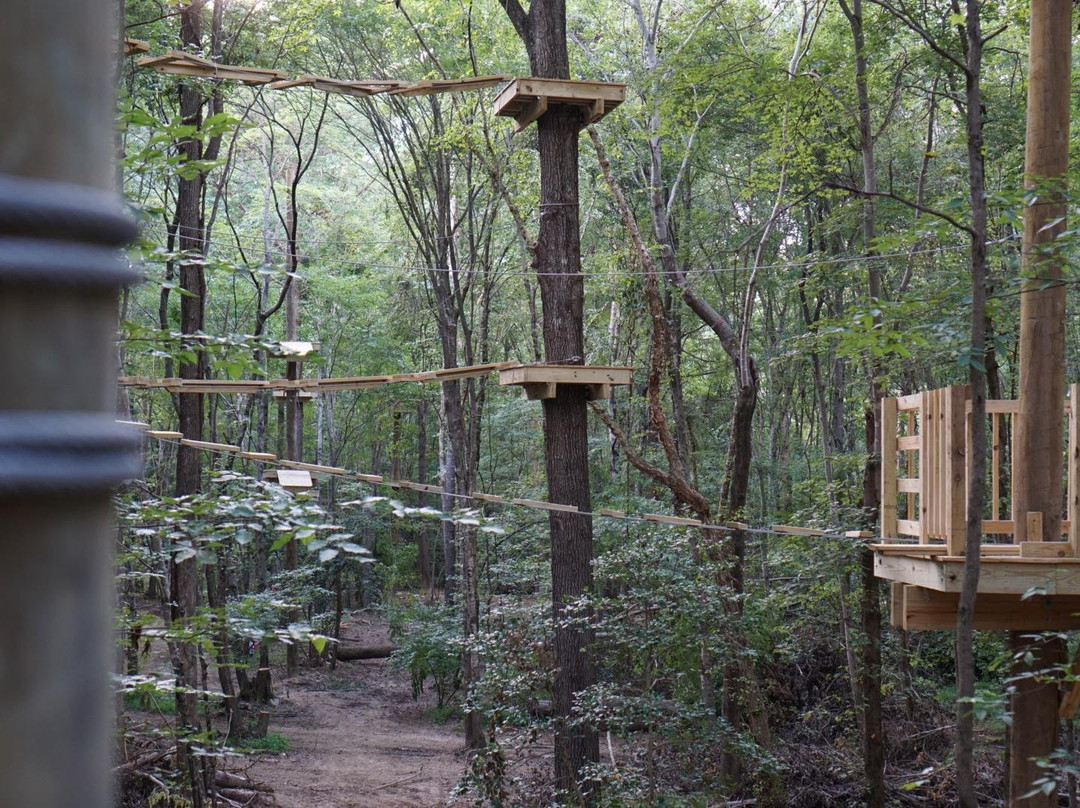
778, 227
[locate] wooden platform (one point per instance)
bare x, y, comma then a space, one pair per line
526, 99
542, 381
290, 479
999, 575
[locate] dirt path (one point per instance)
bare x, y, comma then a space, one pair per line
358, 738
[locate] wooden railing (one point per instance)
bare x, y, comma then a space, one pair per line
924, 460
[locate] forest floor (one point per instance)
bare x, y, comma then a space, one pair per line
357, 737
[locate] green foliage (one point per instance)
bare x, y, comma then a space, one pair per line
273, 743
429, 640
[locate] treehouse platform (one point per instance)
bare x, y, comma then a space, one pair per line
925, 454
526, 99
543, 381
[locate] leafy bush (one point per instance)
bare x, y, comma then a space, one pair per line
429, 642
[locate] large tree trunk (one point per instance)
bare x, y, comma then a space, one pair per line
1038, 444
185, 581
562, 292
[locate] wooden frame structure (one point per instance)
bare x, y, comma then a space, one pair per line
926, 436
924, 455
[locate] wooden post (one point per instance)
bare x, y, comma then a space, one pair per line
889, 529
60, 450
1038, 446
955, 467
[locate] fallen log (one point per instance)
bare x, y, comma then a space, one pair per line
224, 779
350, 653
243, 796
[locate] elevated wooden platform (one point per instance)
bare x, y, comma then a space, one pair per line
295, 480
926, 439
526, 99
542, 381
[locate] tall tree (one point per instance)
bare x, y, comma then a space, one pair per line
562, 293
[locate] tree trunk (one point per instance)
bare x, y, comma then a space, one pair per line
1038, 443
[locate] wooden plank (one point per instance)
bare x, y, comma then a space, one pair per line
888, 467
538, 391
566, 374
956, 495
531, 112
797, 531
487, 497
910, 570
909, 485
315, 467
613, 514
546, 506
912, 471
928, 610
999, 574
910, 549
907, 527
896, 604
133, 46
995, 466
919, 550
294, 479
1002, 406
210, 446
261, 456
858, 534
912, 401
926, 464
598, 392
998, 527
737, 525
1034, 522
999, 550
908, 443
164, 434
436, 86
1046, 549
139, 425
672, 520
368, 478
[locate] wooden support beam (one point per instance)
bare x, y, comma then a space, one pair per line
1045, 549
889, 486
536, 391
955, 412
614, 514
261, 456
929, 610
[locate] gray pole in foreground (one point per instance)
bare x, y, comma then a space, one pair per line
60, 450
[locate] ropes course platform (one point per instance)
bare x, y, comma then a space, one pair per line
1028, 585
